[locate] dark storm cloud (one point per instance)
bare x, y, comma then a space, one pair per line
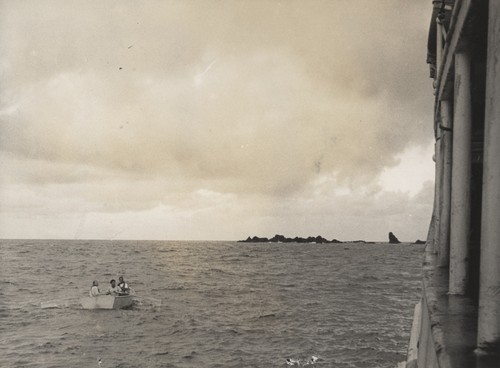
244, 97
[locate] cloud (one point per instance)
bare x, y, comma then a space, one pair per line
260, 111
124, 106
366, 213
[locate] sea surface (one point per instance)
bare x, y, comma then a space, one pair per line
208, 304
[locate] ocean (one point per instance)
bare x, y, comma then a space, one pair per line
208, 304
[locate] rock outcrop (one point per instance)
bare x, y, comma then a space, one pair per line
393, 239
283, 239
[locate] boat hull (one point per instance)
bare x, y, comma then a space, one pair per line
107, 302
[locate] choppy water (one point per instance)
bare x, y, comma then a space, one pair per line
207, 304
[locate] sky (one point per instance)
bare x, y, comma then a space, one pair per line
215, 119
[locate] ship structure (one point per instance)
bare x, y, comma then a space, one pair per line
457, 321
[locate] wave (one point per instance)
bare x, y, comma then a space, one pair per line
344, 307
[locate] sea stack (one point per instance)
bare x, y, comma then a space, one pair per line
393, 239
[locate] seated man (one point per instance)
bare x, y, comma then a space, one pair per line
94, 289
113, 289
125, 290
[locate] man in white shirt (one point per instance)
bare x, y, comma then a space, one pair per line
123, 286
94, 289
113, 289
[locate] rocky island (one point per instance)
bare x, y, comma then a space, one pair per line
313, 239
283, 239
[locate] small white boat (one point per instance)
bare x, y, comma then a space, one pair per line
107, 302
